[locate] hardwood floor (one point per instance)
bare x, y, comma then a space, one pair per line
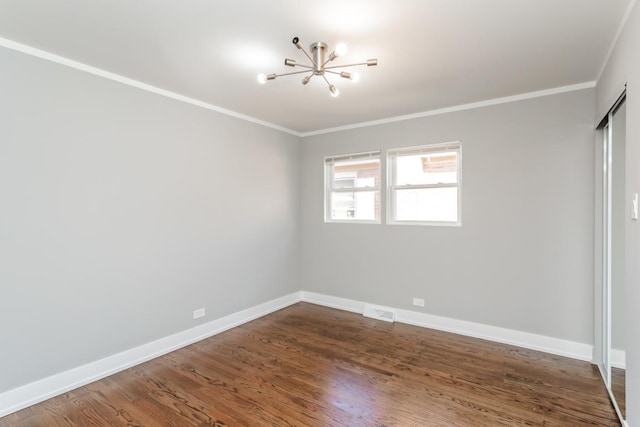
308, 365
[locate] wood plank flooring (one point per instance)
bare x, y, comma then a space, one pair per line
308, 365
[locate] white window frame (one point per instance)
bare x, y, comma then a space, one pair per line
329, 163
392, 154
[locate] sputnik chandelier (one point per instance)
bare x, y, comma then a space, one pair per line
318, 65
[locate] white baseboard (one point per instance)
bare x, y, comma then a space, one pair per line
618, 358
333, 302
46, 388
531, 341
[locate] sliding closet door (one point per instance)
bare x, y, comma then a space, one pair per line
606, 253
614, 216
619, 217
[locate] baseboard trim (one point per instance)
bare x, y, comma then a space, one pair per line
528, 340
618, 358
55, 385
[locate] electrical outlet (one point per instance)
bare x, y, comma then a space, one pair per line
419, 302
198, 313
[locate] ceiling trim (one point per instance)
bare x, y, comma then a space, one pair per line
614, 42
480, 104
48, 56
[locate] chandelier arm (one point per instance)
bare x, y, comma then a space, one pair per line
325, 79
309, 56
332, 72
347, 65
293, 72
305, 66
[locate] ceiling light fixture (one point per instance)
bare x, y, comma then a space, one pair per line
318, 65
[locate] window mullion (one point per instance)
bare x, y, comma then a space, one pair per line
354, 189
424, 186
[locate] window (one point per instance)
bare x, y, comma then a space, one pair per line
352, 188
424, 185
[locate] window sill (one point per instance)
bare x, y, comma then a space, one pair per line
351, 222
427, 223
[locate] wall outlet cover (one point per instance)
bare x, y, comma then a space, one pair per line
419, 302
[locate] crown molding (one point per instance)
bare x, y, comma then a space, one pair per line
462, 107
48, 56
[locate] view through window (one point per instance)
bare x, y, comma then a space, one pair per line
353, 188
424, 184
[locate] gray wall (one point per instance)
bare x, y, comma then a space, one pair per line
524, 254
624, 66
122, 211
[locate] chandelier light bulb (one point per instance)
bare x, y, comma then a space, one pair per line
262, 78
334, 91
341, 49
355, 77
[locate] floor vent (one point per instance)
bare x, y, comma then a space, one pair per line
380, 313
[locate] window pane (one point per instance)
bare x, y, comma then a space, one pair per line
356, 173
436, 168
357, 205
432, 204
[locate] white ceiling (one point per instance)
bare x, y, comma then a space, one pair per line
432, 53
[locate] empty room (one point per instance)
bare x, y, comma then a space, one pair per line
330, 213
